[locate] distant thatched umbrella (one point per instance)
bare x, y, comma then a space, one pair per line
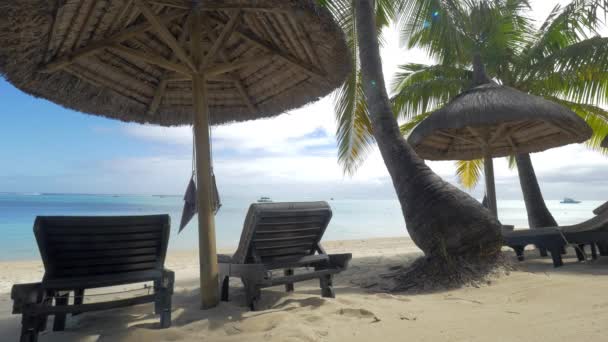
605, 142
490, 120
175, 62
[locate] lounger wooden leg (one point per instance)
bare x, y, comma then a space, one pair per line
226, 289
29, 328
603, 247
61, 299
165, 315
327, 289
543, 252
519, 251
289, 287
164, 298
157, 302
580, 252
253, 295
556, 255
593, 251
78, 299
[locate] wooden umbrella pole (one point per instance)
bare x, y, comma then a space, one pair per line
206, 221
488, 163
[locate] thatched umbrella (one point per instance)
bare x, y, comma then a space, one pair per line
490, 120
605, 142
175, 62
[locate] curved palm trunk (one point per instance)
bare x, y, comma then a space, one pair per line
538, 214
442, 220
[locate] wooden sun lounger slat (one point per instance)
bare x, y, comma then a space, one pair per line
274, 246
106, 238
103, 230
266, 239
289, 238
69, 263
68, 247
291, 223
90, 222
106, 253
293, 230
108, 269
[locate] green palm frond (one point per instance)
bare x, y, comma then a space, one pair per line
409, 126
596, 118
421, 88
354, 131
577, 72
512, 162
565, 25
469, 172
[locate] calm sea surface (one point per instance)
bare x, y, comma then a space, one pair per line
352, 219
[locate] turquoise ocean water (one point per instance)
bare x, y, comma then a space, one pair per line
352, 219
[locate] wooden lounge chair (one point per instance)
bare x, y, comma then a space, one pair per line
282, 236
81, 253
593, 232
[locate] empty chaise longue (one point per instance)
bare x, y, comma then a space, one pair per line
81, 253
593, 232
282, 236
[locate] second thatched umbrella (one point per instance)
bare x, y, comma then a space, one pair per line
175, 62
490, 120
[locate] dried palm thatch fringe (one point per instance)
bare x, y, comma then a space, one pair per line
435, 274
105, 57
502, 119
605, 142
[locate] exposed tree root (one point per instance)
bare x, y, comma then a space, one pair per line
428, 274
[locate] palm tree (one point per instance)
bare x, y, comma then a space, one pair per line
559, 61
446, 223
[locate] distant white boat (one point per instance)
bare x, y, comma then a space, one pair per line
30, 194
264, 199
569, 201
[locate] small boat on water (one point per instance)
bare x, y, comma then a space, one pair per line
569, 201
264, 199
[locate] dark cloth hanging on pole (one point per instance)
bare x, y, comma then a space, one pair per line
190, 208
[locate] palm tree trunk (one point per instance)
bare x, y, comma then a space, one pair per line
538, 214
442, 220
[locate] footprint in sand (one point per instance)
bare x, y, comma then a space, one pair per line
358, 313
313, 319
390, 296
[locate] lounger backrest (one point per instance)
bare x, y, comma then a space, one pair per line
282, 231
602, 209
76, 247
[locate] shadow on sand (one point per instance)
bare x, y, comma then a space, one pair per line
364, 277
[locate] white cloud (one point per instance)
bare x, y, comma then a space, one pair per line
280, 150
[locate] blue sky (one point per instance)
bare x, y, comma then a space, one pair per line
47, 148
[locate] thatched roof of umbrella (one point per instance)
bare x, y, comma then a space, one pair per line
509, 120
490, 120
605, 142
274, 55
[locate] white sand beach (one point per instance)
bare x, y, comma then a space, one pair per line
535, 302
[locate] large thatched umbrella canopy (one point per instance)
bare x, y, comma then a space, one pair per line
174, 62
491, 120
133, 60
